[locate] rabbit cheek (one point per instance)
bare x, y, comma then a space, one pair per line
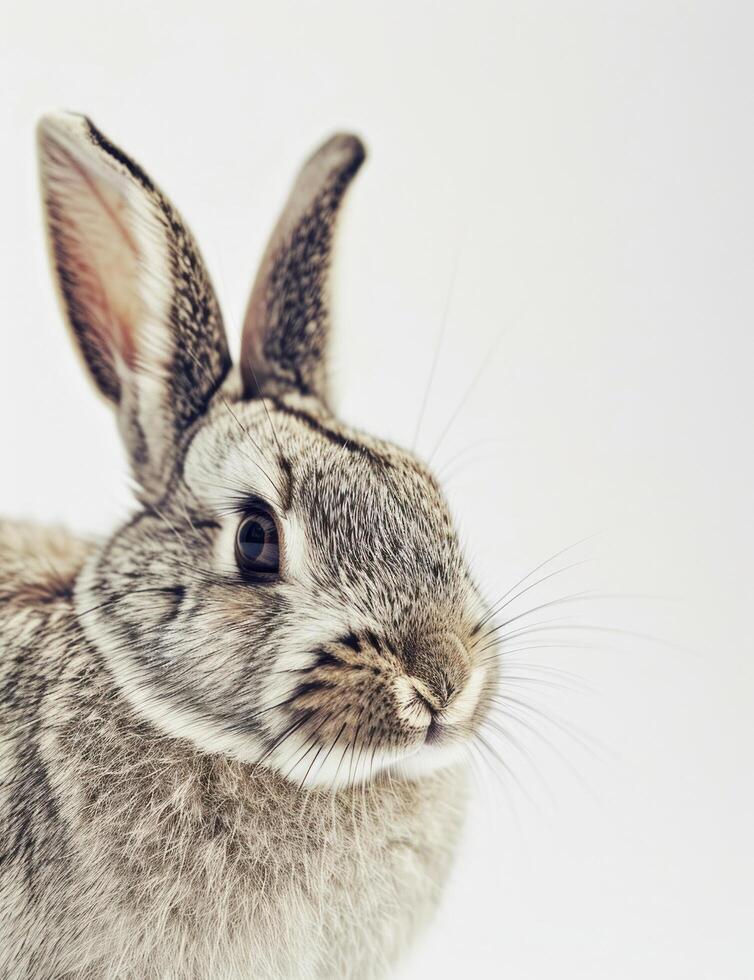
159, 608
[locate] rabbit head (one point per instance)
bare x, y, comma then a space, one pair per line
290, 591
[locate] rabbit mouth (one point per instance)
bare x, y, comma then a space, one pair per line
448, 712
346, 726
435, 734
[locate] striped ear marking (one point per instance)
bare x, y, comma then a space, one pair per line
286, 329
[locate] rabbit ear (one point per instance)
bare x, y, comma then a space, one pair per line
286, 328
135, 291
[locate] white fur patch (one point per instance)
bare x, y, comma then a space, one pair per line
463, 705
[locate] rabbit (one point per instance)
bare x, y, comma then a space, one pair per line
232, 735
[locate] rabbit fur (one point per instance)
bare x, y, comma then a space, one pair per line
202, 774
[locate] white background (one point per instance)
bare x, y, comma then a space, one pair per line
586, 170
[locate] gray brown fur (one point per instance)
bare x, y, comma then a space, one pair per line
290, 295
196, 352
204, 777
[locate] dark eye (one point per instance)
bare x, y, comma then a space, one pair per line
257, 544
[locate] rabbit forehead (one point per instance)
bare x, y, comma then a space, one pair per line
372, 519
231, 455
291, 456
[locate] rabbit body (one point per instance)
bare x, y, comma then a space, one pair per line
128, 854
230, 734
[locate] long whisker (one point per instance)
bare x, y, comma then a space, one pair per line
438, 348
492, 350
504, 602
264, 405
503, 764
523, 752
541, 565
243, 428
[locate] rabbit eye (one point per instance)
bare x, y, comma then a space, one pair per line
257, 543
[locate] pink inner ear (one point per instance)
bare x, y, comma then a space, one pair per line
99, 253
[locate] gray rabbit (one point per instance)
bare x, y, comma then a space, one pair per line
232, 735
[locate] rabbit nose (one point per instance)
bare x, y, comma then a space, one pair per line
440, 668
438, 696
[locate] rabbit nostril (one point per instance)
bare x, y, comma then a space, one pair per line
414, 702
434, 728
425, 702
